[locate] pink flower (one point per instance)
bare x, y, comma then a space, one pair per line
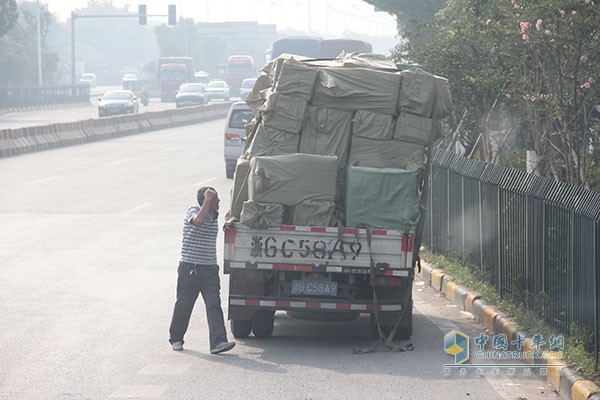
538, 24
561, 12
585, 85
524, 26
573, 13
525, 37
583, 58
591, 80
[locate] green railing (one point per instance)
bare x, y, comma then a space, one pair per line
536, 240
28, 96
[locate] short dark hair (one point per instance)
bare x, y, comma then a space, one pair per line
200, 194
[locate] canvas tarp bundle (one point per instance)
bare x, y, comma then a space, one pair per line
239, 193
414, 129
424, 94
262, 215
381, 198
296, 80
350, 89
313, 213
292, 178
269, 141
386, 154
326, 132
373, 125
284, 113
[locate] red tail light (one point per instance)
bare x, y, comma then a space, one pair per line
232, 137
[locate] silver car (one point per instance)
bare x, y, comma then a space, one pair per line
235, 132
217, 89
115, 102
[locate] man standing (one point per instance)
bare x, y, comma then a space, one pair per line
198, 272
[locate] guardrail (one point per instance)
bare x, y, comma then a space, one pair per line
29, 96
38, 138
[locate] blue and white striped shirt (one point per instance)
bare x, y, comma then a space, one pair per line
199, 244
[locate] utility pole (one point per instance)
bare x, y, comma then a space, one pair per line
39, 42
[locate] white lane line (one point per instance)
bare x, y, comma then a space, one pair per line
136, 209
137, 391
171, 148
52, 178
205, 182
117, 161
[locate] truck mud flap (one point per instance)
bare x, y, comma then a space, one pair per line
384, 341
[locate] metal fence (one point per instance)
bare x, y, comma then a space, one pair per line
536, 240
43, 95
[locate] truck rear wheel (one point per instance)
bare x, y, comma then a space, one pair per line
262, 323
240, 328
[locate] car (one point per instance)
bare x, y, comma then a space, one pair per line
88, 78
217, 89
114, 102
190, 94
235, 134
247, 86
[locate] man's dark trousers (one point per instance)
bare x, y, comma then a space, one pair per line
193, 279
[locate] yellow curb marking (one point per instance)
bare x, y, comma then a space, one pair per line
510, 328
582, 389
450, 290
436, 278
553, 375
489, 315
471, 297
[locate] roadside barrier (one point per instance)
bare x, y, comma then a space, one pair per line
18, 141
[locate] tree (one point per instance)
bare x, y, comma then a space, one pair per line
520, 65
18, 48
409, 13
8, 15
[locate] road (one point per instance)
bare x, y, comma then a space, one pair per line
91, 237
75, 112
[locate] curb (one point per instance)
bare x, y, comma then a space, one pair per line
567, 384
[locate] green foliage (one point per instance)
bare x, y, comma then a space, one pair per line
8, 16
19, 47
539, 59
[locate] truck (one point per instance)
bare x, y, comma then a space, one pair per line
324, 220
238, 68
172, 72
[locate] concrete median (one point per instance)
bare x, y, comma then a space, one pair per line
45, 137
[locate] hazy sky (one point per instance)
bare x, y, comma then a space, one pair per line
332, 17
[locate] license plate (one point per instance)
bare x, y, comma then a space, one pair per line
315, 288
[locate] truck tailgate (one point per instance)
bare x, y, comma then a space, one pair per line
321, 249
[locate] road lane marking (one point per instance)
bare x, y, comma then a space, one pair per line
164, 369
117, 161
137, 391
42, 180
136, 209
171, 148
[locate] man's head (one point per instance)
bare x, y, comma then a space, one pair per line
201, 195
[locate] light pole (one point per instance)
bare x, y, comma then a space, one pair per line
39, 42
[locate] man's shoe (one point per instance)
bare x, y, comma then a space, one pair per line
177, 346
222, 347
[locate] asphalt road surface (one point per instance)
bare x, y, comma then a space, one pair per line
88, 257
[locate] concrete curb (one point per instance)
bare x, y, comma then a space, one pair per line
17, 141
568, 384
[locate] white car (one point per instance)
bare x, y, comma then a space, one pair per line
88, 78
217, 89
235, 133
247, 86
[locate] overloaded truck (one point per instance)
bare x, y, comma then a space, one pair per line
325, 219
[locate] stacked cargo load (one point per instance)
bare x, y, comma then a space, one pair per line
374, 120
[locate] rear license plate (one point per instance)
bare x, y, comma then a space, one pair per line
315, 288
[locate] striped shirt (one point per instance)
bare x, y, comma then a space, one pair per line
199, 244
